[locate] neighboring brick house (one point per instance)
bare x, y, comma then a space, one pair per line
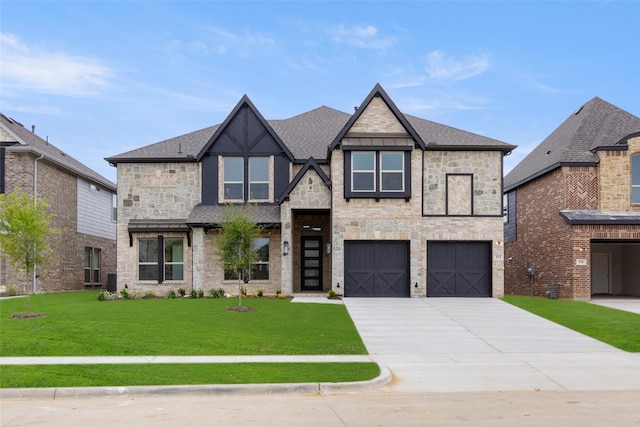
573, 208
375, 203
83, 204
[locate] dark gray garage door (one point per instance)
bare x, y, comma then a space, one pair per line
458, 269
376, 268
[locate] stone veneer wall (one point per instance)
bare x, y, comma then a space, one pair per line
377, 118
486, 167
152, 191
393, 219
614, 179
310, 193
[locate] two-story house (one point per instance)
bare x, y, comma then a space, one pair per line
82, 202
572, 208
376, 203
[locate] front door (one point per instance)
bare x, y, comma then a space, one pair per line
311, 263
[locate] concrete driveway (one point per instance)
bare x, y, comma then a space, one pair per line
484, 344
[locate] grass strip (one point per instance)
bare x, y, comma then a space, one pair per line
618, 328
28, 376
77, 324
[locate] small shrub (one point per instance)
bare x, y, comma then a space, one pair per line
107, 296
217, 293
182, 292
12, 291
125, 294
260, 293
170, 294
200, 293
149, 295
278, 293
332, 295
193, 294
243, 291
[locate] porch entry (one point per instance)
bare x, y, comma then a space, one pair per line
311, 262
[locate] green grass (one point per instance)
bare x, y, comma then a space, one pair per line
21, 376
77, 324
618, 328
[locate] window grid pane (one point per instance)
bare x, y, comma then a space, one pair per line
148, 259
259, 178
233, 178
173, 259
392, 171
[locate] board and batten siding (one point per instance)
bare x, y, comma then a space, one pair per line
95, 213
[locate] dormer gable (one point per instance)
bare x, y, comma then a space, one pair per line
244, 131
378, 122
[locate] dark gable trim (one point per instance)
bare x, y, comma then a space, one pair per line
378, 91
185, 159
432, 146
310, 164
244, 101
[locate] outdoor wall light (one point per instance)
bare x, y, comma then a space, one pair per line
285, 248
338, 285
328, 248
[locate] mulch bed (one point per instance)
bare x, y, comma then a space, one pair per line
28, 315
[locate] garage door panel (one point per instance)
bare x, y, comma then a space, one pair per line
376, 269
458, 269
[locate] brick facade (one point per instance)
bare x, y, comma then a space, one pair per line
64, 270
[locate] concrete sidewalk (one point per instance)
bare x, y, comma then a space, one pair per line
457, 344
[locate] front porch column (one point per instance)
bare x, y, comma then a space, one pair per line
286, 263
197, 250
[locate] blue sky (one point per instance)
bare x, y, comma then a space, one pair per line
101, 78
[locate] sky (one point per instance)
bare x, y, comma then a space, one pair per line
99, 78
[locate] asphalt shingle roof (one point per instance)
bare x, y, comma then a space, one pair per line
308, 135
597, 124
27, 138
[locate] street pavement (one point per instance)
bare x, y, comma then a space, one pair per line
445, 362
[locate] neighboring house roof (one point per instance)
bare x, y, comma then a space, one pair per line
28, 141
310, 135
596, 125
599, 218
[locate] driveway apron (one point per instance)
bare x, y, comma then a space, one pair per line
475, 344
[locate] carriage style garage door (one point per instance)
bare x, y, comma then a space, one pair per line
376, 268
458, 269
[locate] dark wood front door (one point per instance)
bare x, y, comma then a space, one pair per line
311, 264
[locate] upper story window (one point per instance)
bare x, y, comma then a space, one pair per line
377, 174
247, 179
635, 179
234, 178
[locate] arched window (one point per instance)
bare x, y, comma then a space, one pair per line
635, 179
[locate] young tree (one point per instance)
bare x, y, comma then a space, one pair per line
25, 226
236, 244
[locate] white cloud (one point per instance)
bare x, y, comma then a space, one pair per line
441, 66
362, 37
42, 71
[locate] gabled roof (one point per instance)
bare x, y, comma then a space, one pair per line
28, 141
311, 134
377, 91
244, 102
310, 164
596, 125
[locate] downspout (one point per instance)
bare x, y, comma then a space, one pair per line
35, 200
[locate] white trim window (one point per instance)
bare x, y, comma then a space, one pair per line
234, 178
635, 179
391, 171
259, 178
363, 171
92, 265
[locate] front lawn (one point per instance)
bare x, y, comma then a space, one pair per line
77, 324
618, 328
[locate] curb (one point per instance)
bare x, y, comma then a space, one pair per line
213, 389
